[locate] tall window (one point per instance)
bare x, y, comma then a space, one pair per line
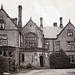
0, 52
70, 45
3, 39
2, 24
22, 57
4, 53
57, 45
30, 40
70, 32
32, 58
46, 44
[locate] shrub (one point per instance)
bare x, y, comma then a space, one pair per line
4, 64
59, 60
29, 66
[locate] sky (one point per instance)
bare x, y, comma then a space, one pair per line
50, 10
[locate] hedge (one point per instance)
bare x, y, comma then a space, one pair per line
4, 64
59, 60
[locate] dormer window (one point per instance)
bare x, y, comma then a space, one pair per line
1, 24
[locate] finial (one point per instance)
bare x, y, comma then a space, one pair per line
30, 18
1, 6
69, 20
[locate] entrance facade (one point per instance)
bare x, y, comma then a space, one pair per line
41, 61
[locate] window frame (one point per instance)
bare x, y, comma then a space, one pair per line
57, 43
70, 32
47, 43
70, 45
72, 59
30, 42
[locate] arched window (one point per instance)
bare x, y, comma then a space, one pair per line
30, 40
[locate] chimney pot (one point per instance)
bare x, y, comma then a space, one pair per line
41, 22
1, 6
61, 25
55, 24
20, 7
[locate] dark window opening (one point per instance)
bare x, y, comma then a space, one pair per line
72, 60
4, 53
0, 52
32, 58
41, 61
10, 54
2, 24
22, 57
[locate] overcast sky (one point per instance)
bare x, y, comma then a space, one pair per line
50, 10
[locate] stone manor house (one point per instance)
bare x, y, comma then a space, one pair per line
32, 44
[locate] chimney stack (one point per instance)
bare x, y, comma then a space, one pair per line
55, 24
1, 6
19, 17
41, 22
61, 25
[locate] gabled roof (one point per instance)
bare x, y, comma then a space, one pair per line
51, 32
65, 27
8, 16
33, 23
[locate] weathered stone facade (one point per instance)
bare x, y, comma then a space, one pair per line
32, 44
9, 38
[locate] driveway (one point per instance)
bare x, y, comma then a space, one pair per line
48, 72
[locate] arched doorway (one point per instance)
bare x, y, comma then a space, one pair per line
41, 61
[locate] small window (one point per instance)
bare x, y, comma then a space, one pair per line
30, 25
70, 32
72, 59
32, 58
22, 57
57, 45
70, 45
4, 53
0, 52
10, 53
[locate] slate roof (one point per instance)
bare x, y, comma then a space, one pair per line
51, 32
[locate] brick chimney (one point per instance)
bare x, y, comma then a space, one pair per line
61, 24
1, 6
41, 22
19, 17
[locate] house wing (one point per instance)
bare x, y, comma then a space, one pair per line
9, 24
68, 26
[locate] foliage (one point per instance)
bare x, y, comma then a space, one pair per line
4, 65
59, 60
29, 66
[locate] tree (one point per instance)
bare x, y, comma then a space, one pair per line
59, 60
4, 64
